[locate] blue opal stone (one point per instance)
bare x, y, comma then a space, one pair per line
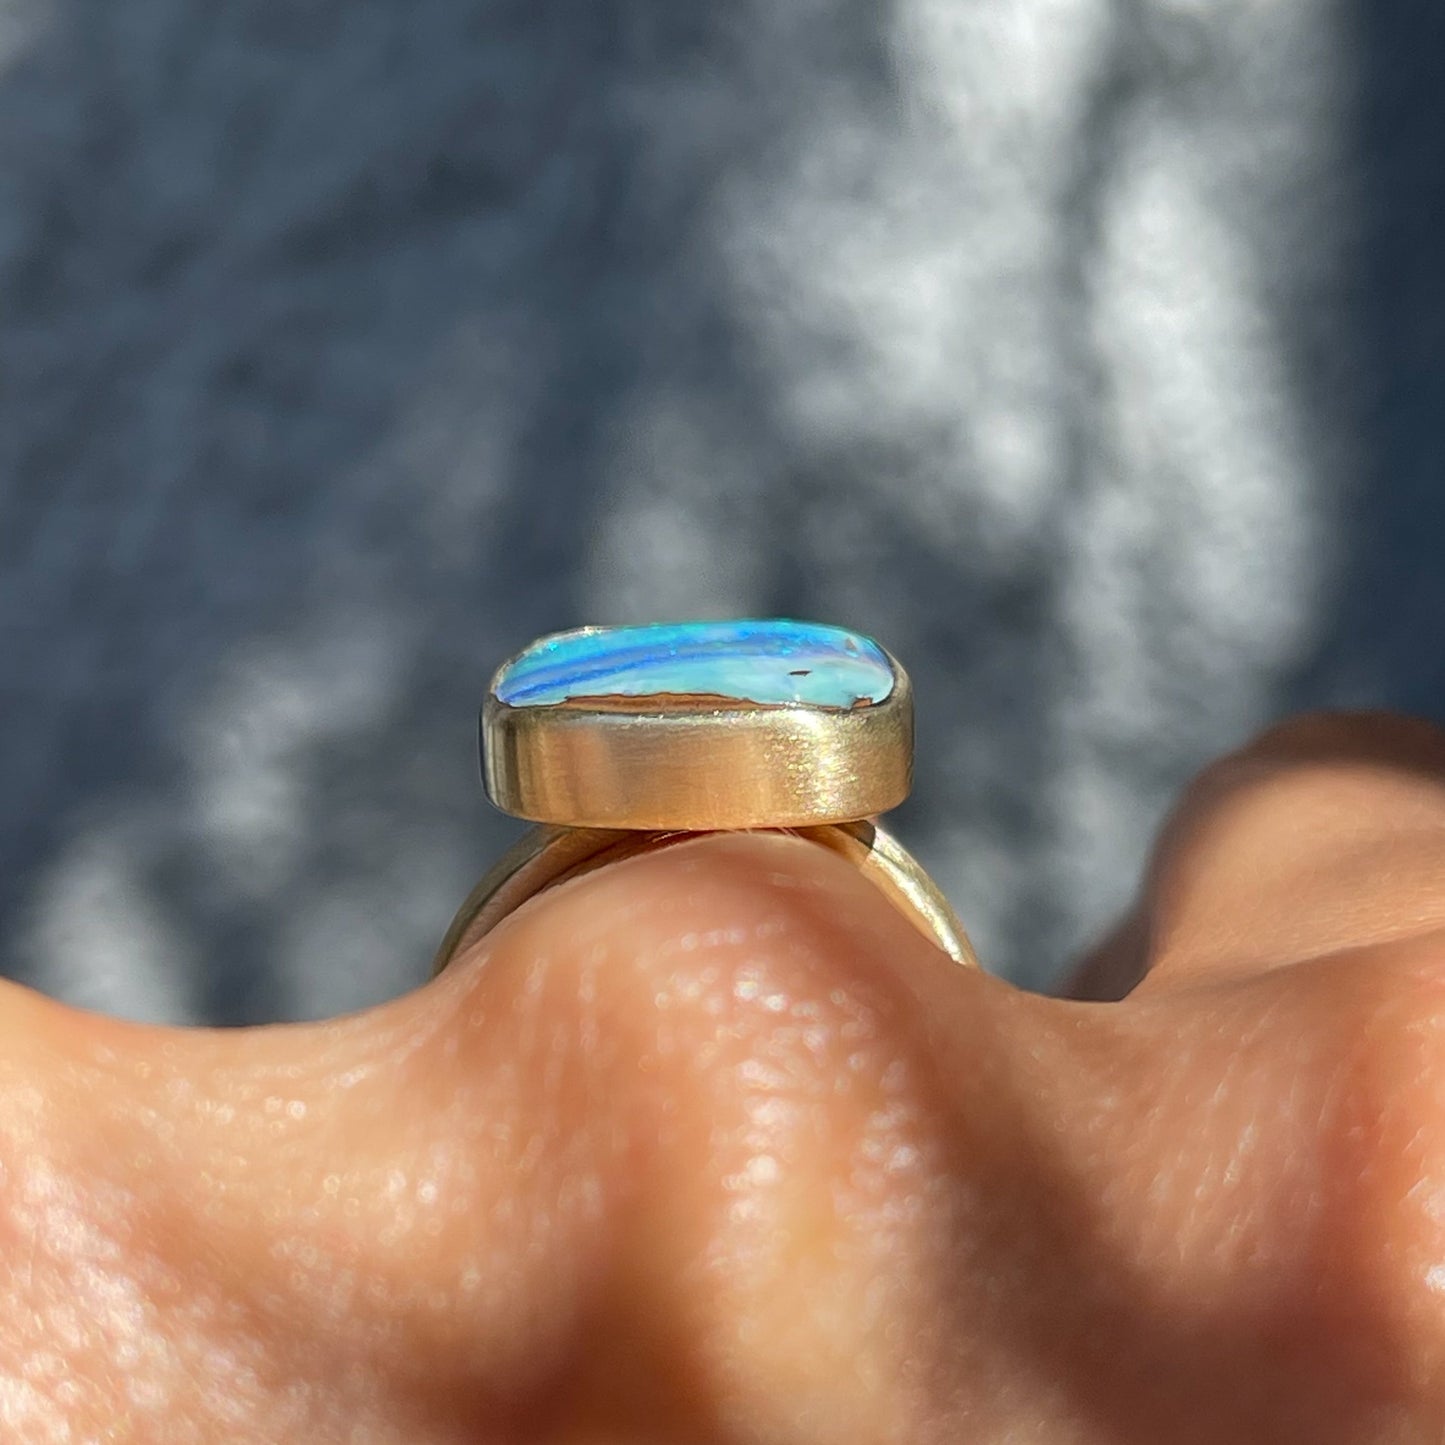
772, 662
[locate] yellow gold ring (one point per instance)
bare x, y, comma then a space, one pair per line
626, 739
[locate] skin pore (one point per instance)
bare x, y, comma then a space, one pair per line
711, 1146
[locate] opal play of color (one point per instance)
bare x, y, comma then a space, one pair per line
772, 662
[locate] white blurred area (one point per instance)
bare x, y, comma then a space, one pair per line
354, 353
1049, 284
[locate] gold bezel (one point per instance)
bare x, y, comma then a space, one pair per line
697, 767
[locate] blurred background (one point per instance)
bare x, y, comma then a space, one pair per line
1086, 352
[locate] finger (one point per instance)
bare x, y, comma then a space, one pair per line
1274, 1203
713, 1146
1326, 833
674, 1155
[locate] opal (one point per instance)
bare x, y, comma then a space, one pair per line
771, 662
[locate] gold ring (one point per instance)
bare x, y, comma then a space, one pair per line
620, 740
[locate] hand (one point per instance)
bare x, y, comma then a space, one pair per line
712, 1146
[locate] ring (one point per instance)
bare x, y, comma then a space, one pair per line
618, 741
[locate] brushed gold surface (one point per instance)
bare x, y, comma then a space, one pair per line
551, 855
677, 763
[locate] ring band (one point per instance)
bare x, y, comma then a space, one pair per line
620, 741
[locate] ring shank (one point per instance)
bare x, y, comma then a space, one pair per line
549, 855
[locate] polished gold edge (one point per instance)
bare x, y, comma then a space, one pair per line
699, 770
551, 855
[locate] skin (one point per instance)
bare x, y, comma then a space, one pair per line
711, 1146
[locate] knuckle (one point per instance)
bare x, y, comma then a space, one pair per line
1365, 735
725, 1028
1317, 744
1339, 740
1318, 754
1324, 833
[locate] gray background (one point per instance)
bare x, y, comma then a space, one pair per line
1087, 353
